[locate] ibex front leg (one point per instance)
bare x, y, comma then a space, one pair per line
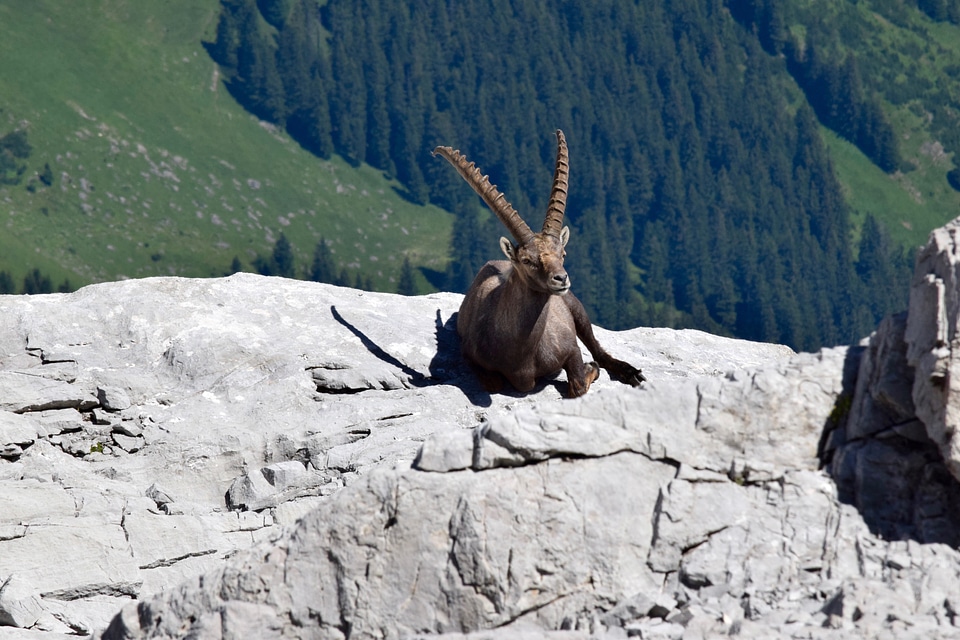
618, 369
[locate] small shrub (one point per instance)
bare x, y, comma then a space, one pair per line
953, 177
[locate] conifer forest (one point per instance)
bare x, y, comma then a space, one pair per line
701, 194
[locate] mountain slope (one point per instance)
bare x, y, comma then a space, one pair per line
897, 57
156, 170
701, 196
701, 192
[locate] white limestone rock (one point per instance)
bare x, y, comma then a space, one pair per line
16, 432
933, 345
753, 424
21, 392
113, 399
20, 604
56, 421
389, 495
884, 386
274, 484
891, 455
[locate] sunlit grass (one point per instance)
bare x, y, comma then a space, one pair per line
158, 171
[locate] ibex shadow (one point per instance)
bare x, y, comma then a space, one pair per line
446, 367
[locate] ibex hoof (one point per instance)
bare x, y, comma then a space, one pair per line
625, 373
635, 378
590, 373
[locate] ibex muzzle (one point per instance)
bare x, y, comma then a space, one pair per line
519, 320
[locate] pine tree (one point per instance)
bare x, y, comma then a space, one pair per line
223, 49
257, 78
264, 266
272, 103
311, 125
468, 249
953, 11
936, 9
953, 178
877, 138
376, 78
35, 282
248, 50
6, 283
348, 103
274, 11
294, 59
283, 258
46, 175
14, 150
406, 285
323, 268
846, 103
883, 270
655, 261
16, 144
772, 26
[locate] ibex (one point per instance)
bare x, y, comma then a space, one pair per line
519, 320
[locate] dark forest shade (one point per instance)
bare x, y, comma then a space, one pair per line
701, 193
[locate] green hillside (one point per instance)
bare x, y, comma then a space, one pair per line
904, 57
155, 168
909, 205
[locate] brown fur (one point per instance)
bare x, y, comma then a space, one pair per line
519, 320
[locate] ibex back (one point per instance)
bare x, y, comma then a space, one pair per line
519, 320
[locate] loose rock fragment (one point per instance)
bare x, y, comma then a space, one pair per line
20, 604
113, 399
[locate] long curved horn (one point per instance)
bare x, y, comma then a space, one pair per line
558, 197
494, 199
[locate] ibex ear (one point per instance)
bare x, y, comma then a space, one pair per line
564, 236
507, 247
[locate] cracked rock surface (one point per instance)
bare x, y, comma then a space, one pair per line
262, 458
153, 430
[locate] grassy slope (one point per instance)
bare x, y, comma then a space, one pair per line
158, 171
910, 204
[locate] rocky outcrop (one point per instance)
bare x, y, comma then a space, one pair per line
896, 456
933, 346
152, 429
626, 512
256, 457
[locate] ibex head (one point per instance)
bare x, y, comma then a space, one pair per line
537, 257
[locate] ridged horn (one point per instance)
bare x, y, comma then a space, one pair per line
494, 199
558, 196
